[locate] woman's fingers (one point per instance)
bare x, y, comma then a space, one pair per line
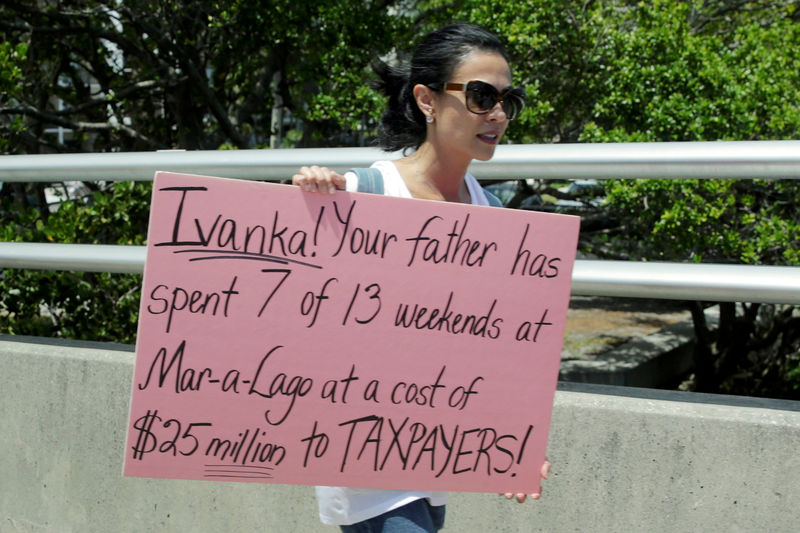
319, 179
520, 496
545, 471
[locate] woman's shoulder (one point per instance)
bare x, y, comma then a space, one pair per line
393, 183
387, 168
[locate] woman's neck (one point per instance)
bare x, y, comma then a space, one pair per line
439, 174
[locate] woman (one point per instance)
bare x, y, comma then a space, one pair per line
452, 105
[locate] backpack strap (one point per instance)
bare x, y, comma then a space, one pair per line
369, 180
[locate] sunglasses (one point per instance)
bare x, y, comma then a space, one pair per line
481, 97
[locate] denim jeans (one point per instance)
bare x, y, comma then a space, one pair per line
416, 517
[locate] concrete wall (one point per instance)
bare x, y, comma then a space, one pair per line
624, 460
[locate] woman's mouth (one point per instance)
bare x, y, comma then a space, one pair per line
489, 138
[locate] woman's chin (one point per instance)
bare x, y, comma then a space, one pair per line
485, 154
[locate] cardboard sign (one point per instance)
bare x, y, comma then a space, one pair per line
347, 339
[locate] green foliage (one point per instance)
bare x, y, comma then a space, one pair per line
665, 82
708, 220
197, 74
663, 71
625, 71
669, 83
794, 376
77, 305
11, 57
145, 74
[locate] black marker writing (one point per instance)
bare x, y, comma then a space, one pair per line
370, 309
360, 240
312, 302
196, 301
458, 249
406, 392
225, 234
540, 265
436, 448
445, 319
296, 243
281, 385
330, 387
176, 225
528, 331
285, 273
168, 437
166, 368
247, 449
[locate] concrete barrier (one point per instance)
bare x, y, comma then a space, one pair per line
624, 460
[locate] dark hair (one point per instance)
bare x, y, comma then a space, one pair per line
434, 60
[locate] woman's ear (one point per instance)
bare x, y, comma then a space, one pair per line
424, 96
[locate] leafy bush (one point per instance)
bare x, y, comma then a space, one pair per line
77, 305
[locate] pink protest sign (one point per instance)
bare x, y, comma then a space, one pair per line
348, 339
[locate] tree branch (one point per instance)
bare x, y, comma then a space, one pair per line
123, 92
200, 81
50, 118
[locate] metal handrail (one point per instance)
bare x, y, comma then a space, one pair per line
709, 282
722, 159
675, 281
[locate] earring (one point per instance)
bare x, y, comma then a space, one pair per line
429, 120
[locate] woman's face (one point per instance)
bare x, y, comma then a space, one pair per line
461, 131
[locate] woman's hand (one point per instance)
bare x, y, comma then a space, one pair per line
319, 179
521, 496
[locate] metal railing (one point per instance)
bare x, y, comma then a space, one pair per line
723, 159
708, 282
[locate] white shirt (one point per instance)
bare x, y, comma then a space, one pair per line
394, 185
344, 505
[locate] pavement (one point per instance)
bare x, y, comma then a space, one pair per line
627, 341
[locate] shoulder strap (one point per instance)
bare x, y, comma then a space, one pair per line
493, 200
369, 180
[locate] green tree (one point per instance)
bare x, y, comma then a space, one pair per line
140, 75
674, 71
11, 58
193, 74
686, 83
77, 305
145, 75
